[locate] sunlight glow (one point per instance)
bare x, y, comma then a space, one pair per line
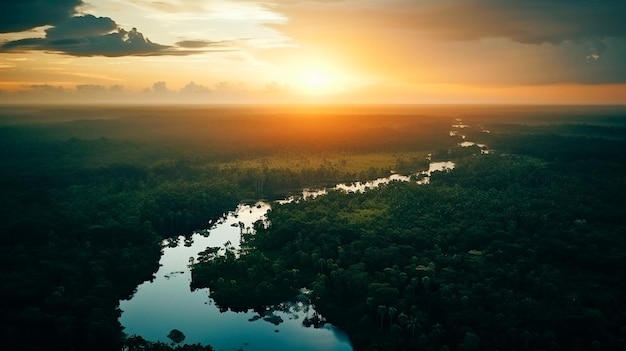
316, 81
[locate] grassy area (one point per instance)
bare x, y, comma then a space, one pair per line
343, 162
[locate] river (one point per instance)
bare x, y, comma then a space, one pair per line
167, 302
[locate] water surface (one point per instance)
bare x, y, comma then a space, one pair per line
167, 303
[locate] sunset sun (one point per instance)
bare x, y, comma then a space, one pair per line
316, 81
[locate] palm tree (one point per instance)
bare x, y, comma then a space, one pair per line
392, 313
412, 324
381, 312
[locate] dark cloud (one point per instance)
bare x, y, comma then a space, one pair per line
87, 25
100, 36
587, 25
523, 21
85, 35
89, 36
21, 15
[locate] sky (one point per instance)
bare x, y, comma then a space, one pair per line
327, 51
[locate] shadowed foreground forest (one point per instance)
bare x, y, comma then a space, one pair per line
518, 248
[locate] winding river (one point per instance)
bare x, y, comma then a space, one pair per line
167, 302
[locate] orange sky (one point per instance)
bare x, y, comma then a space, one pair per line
339, 51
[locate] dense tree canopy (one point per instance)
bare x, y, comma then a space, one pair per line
88, 193
521, 249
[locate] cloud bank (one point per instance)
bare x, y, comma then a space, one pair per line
78, 35
22, 15
470, 41
89, 36
523, 21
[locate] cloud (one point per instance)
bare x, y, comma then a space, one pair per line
197, 44
172, 6
22, 15
193, 88
86, 26
527, 22
466, 41
523, 21
275, 87
90, 89
89, 36
84, 35
46, 89
160, 87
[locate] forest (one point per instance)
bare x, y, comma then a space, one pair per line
521, 248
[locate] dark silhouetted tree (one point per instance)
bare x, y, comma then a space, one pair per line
176, 336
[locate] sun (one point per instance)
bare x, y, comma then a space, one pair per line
316, 81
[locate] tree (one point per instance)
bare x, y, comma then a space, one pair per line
135, 342
411, 324
381, 312
392, 313
176, 336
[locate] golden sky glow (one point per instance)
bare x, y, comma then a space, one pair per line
340, 51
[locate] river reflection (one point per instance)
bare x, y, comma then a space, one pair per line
167, 302
359, 187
